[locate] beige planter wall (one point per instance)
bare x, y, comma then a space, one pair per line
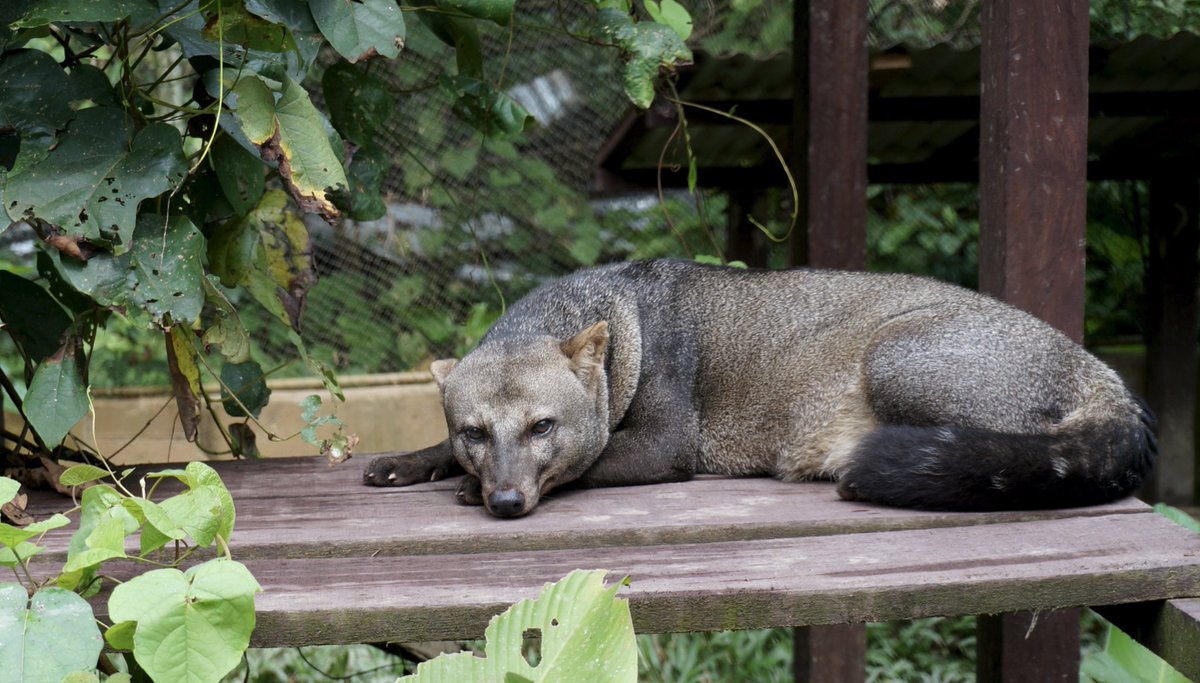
401, 411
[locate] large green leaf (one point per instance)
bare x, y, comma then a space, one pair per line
671, 13
33, 318
358, 102
43, 12
8, 489
192, 626
587, 635
11, 536
47, 637
94, 179
292, 133
186, 23
359, 30
166, 268
57, 396
242, 175
32, 104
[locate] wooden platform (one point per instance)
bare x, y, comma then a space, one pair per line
344, 563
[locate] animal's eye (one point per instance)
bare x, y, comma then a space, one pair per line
542, 427
474, 434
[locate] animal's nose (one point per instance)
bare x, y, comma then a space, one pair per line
506, 502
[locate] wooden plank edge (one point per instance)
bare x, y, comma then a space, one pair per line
1168, 628
731, 610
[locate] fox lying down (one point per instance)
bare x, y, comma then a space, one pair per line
906, 391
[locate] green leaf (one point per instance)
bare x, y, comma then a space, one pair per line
224, 327
460, 33
672, 14
247, 382
88, 83
233, 24
31, 316
1134, 658
10, 487
57, 396
191, 626
282, 272
233, 249
81, 677
359, 30
167, 268
486, 109
647, 48
587, 635
105, 542
81, 474
13, 537
11, 557
32, 103
364, 201
158, 528
496, 11
94, 179
359, 102
46, 637
293, 133
1178, 516
120, 636
242, 175
43, 12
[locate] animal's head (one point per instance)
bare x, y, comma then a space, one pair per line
527, 414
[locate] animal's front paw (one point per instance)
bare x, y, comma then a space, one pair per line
402, 469
470, 491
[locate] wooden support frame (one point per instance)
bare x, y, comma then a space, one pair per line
1171, 316
829, 132
1033, 227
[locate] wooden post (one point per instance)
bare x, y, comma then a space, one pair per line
1014, 648
1033, 156
1033, 225
829, 132
1171, 333
830, 653
829, 162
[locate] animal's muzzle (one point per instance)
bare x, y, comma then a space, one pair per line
507, 502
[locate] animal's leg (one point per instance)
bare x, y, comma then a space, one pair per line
428, 464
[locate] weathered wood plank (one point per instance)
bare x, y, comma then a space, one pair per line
996, 568
1170, 628
302, 508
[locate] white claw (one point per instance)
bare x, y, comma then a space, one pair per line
392, 476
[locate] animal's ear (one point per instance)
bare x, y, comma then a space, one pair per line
441, 368
586, 352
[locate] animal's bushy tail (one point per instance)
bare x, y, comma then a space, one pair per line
1088, 460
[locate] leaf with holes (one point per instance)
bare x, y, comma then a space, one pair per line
43, 12
94, 179
47, 636
223, 326
32, 104
586, 632
359, 30
167, 268
191, 626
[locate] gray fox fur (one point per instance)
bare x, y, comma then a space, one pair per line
907, 391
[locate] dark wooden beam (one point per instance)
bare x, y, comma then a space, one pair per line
833, 654
1033, 224
1171, 316
829, 132
1033, 157
1028, 647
